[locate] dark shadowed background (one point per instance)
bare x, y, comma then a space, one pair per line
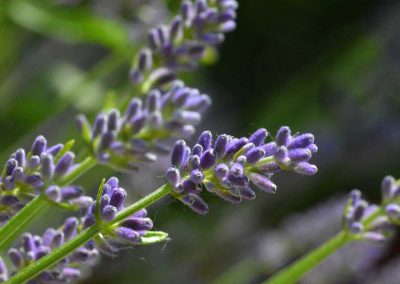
327, 67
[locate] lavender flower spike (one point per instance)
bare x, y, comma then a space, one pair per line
34, 172
181, 44
232, 167
121, 140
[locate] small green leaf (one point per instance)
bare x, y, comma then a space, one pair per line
152, 237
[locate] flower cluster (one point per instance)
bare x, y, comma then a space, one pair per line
130, 230
370, 221
230, 166
137, 135
28, 174
34, 247
182, 43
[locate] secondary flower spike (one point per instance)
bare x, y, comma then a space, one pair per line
138, 134
31, 173
182, 43
232, 167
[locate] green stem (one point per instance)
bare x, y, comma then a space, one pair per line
15, 226
299, 268
61, 252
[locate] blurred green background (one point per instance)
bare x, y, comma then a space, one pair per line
328, 67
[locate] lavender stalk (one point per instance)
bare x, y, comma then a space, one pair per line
361, 222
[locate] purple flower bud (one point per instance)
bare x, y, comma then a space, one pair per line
71, 192
236, 145
16, 258
99, 125
178, 153
305, 168
20, 157
137, 123
64, 164
205, 140
106, 140
187, 10
18, 174
359, 210
195, 203
118, 198
393, 211
161, 76
313, 148
154, 41
175, 29
71, 273
58, 239
374, 237
9, 200
356, 227
263, 182
137, 224
197, 150
221, 145
112, 182
227, 27
197, 176
187, 117
82, 202
133, 109
113, 117
189, 186
301, 141
127, 234
47, 168
247, 193
142, 213
207, 160
270, 149
173, 176
10, 166
237, 170
38, 146
299, 155
108, 213
34, 162
213, 38
194, 162
221, 170
70, 227
228, 196
283, 136
387, 187
258, 137
34, 180
145, 60
53, 193
254, 155
28, 243
196, 51
281, 155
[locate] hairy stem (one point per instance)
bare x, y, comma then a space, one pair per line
15, 226
58, 254
299, 268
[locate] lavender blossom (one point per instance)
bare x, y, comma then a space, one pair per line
370, 221
181, 44
28, 174
232, 167
130, 230
139, 134
33, 247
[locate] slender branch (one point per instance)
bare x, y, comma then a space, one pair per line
300, 267
15, 226
61, 252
